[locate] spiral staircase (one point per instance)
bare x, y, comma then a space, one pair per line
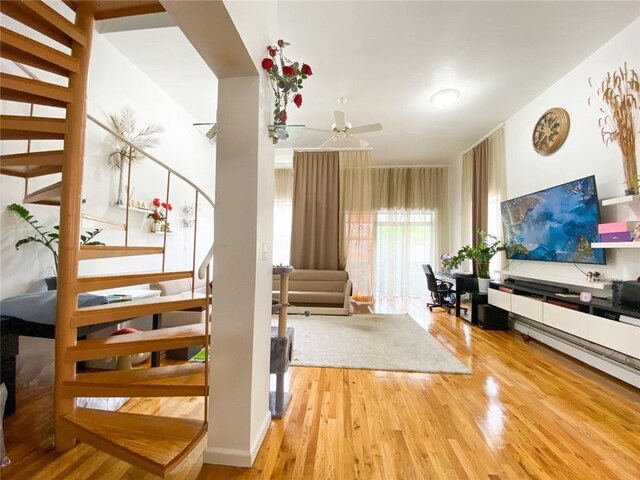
154, 443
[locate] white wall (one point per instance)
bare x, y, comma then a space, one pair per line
582, 154
113, 82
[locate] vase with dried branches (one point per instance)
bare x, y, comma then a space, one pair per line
124, 155
619, 99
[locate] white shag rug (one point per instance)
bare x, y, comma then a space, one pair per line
371, 342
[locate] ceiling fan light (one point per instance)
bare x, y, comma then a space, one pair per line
445, 98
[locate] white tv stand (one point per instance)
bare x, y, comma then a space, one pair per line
577, 328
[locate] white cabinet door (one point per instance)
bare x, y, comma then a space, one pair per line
567, 320
500, 299
527, 307
620, 337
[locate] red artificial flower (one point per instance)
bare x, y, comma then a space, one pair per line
156, 202
169, 207
164, 205
297, 100
283, 117
272, 51
156, 215
287, 70
267, 63
281, 43
306, 69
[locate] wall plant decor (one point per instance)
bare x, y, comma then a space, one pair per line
618, 97
286, 79
124, 155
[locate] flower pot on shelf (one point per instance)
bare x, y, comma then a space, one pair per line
157, 226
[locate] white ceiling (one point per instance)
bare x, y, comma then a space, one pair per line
389, 57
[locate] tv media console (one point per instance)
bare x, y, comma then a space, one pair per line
596, 321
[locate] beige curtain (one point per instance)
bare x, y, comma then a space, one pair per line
497, 191
480, 190
415, 188
467, 187
282, 209
283, 185
315, 224
357, 224
483, 188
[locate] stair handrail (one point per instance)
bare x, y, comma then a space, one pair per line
202, 271
124, 140
209, 256
151, 157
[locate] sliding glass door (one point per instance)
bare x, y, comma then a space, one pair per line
404, 241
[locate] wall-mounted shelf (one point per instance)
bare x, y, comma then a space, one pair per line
162, 233
615, 245
133, 209
621, 200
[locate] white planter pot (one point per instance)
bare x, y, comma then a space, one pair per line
483, 285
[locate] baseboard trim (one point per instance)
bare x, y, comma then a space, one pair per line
232, 457
598, 362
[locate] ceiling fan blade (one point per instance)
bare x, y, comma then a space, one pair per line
339, 117
374, 127
323, 130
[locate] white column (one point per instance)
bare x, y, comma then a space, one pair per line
239, 397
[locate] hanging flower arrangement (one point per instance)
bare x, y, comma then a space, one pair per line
286, 79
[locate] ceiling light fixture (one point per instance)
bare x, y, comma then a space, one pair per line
445, 98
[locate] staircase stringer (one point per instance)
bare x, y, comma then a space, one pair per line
70, 219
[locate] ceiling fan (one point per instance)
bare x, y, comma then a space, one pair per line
343, 131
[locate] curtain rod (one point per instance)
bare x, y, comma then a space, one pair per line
410, 166
484, 137
346, 149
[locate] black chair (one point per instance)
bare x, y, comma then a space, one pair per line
442, 293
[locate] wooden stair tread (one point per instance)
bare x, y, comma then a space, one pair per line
155, 444
27, 90
137, 308
21, 49
150, 341
91, 221
45, 196
44, 19
88, 252
20, 127
31, 164
103, 282
185, 380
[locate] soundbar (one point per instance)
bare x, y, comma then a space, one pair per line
540, 286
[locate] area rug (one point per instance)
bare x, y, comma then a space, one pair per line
371, 342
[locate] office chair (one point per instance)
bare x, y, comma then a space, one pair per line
442, 293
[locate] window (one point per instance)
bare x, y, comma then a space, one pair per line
404, 241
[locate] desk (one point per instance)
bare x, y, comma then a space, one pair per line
463, 283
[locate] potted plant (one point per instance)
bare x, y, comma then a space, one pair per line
159, 216
480, 255
46, 236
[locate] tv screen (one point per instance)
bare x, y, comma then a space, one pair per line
557, 224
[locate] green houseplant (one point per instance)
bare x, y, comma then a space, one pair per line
480, 255
48, 236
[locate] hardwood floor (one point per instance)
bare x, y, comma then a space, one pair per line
524, 412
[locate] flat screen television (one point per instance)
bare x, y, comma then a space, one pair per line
557, 224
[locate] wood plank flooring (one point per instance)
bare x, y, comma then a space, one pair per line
525, 412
